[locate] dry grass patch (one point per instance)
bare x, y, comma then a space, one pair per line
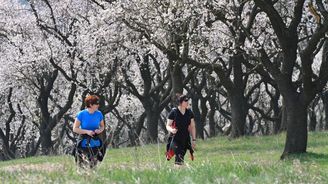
44, 167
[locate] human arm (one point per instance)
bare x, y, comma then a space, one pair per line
78, 130
192, 131
169, 126
101, 127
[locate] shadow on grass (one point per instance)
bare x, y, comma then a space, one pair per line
252, 144
308, 156
246, 147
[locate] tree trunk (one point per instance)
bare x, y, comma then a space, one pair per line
46, 142
198, 122
140, 123
297, 135
277, 113
177, 80
324, 98
7, 153
211, 116
203, 102
277, 123
283, 126
132, 136
237, 99
251, 122
152, 125
313, 118
238, 115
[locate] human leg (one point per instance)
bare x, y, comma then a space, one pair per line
179, 154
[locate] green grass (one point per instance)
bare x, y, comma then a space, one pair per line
218, 160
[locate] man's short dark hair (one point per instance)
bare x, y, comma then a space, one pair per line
182, 98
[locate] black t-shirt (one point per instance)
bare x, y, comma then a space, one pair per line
182, 122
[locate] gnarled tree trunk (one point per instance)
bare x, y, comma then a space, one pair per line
297, 135
238, 114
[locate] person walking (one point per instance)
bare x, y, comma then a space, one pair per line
181, 125
89, 123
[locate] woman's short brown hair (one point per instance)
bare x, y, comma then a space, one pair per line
91, 100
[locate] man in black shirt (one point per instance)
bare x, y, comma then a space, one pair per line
181, 124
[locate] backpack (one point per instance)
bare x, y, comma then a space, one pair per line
170, 146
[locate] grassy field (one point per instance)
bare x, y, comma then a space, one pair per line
218, 160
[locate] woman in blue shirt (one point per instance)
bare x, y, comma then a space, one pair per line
90, 121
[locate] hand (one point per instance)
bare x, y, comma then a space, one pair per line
174, 130
98, 131
193, 144
90, 133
